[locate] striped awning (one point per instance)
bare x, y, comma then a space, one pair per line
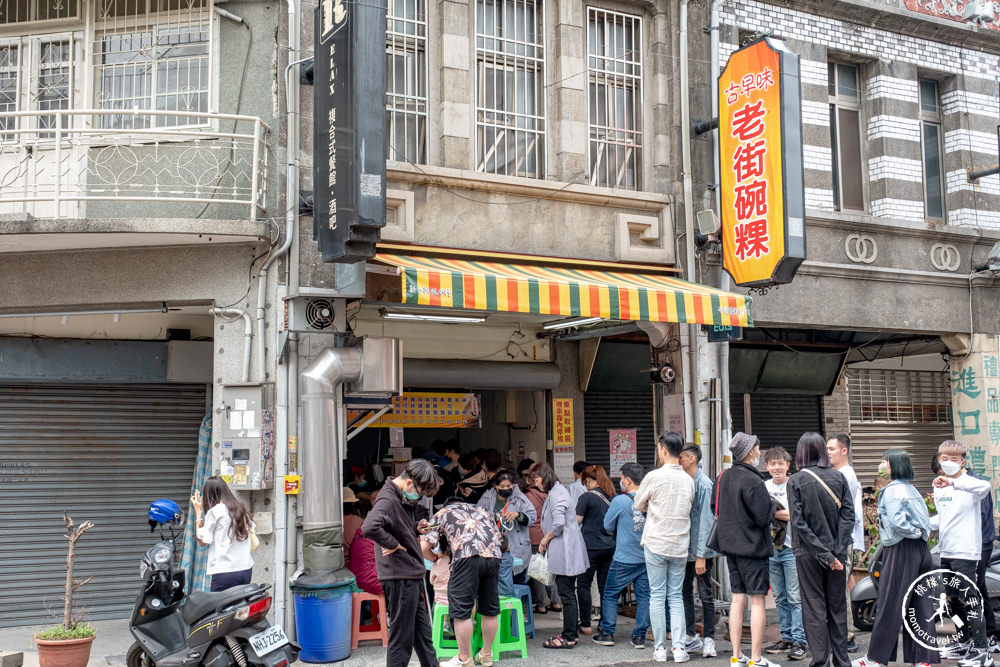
563, 291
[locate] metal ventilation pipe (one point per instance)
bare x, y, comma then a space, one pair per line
323, 434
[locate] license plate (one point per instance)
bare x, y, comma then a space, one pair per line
265, 642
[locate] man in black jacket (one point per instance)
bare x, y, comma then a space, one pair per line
744, 510
399, 561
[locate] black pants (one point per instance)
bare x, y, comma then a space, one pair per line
824, 612
902, 563
984, 559
975, 626
521, 578
600, 563
567, 594
224, 580
706, 595
409, 625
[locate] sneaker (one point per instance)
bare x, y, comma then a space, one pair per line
852, 644
779, 646
693, 644
865, 662
603, 639
956, 651
638, 642
708, 648
797, 651
741, 661
977, 658
458, 662
680, 655
763, 662
660, 654
993, 646
485, 657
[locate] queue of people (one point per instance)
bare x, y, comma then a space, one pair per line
660, 532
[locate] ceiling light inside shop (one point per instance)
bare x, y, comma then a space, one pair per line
445, 319
573, 322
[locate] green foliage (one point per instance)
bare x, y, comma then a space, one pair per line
77, 631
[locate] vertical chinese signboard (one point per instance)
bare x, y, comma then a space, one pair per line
975, 399
563, 440
349, 128
760, 154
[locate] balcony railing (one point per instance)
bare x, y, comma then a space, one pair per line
94, 163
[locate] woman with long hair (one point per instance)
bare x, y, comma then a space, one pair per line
564, 546
542, 596
514, 514
591, 507
904, 525
225, 529
822, 519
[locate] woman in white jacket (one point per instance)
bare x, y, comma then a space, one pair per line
225, 529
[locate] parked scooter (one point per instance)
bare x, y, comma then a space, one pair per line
865, 592
224, 629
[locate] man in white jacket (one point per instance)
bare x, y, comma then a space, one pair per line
957, 496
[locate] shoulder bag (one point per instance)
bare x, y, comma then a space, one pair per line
828, 490
713, 534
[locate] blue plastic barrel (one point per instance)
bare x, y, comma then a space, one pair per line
323, 621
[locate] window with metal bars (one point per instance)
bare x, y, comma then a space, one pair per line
22, 11
406, 80
152, 54
614, 68
898, 396
510, 87
37, 73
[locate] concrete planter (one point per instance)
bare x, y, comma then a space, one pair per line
64, 652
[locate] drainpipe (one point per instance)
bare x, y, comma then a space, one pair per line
725, 282
247, 333
688, 212
323, 434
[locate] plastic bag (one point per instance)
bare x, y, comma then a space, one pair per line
538, 569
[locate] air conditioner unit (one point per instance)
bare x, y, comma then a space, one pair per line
979, 11
313, 314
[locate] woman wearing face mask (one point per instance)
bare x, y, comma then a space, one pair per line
399, 561
591, 507
904, 526
514, 513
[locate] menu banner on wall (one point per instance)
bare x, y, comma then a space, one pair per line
563, 459
624, 448
562, 422
427, 410
761, 164
975, 400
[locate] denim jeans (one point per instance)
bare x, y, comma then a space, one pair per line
666, 583
619, 577
785, 586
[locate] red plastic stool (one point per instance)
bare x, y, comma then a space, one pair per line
379, 629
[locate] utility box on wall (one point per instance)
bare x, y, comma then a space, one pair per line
244, 454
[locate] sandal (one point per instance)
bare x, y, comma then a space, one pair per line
541, 609
558, 641
554, 608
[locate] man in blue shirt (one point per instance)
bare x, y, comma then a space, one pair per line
699, 566
629, 563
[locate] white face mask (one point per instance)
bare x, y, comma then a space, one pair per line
950, 467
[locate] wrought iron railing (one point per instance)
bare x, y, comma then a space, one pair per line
56, 164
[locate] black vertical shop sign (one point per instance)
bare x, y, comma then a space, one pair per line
349, 129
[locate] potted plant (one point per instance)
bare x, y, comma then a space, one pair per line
68, 644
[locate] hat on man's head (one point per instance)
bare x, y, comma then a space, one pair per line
357, 470
349, 496
741, 445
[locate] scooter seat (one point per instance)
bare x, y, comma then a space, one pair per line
200, 604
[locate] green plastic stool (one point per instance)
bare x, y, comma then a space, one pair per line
443, 648
505, 640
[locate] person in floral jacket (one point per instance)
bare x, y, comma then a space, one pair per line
475, 544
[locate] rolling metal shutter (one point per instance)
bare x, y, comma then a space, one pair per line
779, 420
618, 409
101, 453
870, 440
902, 409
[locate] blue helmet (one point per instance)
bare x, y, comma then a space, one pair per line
164, 511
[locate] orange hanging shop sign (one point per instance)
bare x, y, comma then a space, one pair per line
760, 155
